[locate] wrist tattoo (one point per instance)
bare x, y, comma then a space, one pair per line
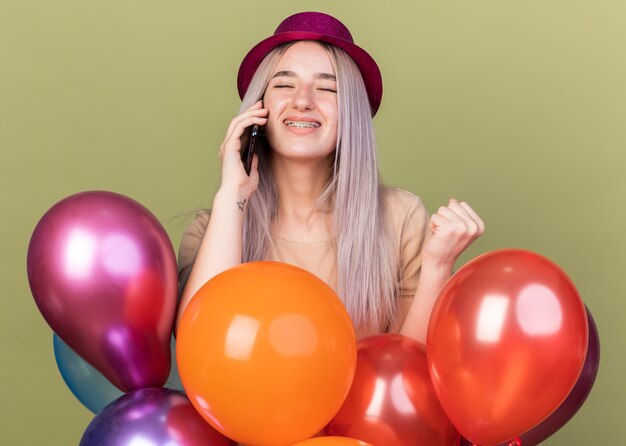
241, 204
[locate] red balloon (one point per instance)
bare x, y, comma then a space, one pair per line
506, 343
102, 271
392, 401
575, 399
186, 427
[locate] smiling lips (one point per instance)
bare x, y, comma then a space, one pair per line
302, 124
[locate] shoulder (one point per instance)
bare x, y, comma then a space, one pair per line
198, 225
401, 205
192, 238
407, 219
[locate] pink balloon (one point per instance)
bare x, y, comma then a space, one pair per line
103, 273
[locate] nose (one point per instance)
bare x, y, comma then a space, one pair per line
303, 98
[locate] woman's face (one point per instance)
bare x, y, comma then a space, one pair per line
301, 98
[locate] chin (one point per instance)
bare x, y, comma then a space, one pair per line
306, 151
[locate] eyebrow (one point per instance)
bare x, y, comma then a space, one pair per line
326, 76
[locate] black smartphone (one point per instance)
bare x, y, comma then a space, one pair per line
249, 145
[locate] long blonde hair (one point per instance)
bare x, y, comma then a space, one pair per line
367, 255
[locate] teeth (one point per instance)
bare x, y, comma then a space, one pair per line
302, 124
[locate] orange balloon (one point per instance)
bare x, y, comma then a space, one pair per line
266, 353
332, 441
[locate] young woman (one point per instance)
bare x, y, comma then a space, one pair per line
314, 197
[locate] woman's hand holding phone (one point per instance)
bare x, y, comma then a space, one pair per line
222, 245
234, 176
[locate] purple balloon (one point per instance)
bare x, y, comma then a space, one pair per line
151, 417
102, 271
574, 401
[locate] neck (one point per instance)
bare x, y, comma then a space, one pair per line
299, 185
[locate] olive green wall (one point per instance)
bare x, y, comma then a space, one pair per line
518, 107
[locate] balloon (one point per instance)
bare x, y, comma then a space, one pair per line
575, 399
151, 417
392, 401
506, 343
173, 381
88, 385
266, 353
103, 274
332, 441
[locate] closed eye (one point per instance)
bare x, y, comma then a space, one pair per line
332, 90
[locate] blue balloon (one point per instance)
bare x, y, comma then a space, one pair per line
173, 381
88, 385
